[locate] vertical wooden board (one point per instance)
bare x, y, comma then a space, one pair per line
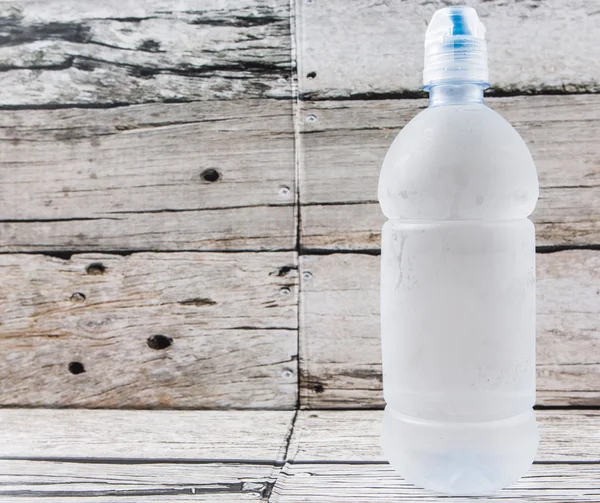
214, 175
376, 48
112, 52
344, 142
170, 330
340, 360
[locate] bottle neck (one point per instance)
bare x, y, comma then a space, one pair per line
455, 94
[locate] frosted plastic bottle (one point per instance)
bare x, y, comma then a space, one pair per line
458, 279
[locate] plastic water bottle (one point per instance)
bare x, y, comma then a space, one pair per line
458, 279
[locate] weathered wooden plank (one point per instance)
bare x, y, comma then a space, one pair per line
572, 222
90, 163
112, 52
168, 435
147, 498
236, 229
82, 332
344, 142
230, 455
340, 483
377, 47
340, 361
60, 481
336, 435
212, 175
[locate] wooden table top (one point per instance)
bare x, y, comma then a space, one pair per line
232, 456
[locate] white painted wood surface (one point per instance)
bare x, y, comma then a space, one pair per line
340, 360
370, 483
231, 320
330, 456
143, 177
376, 47
67, 482
120, 52
184, 495
344, 143
165, 435
353, 436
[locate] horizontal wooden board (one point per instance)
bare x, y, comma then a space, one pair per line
112, 52
143, 435
343, 144
160, 497
229, 321
353, 436
345, 483
215, 175
60, 481
377, 47
340, 360
237, 229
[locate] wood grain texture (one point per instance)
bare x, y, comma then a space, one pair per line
340, 361
230, 320
353, 436
370, 483
113, 52
215, 175
159, 497
143, 435
84, 455
65, 482
376, 47
343, 144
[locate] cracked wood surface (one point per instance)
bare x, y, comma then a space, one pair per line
227, 456
67, 482
335, 456
344, 143
223, 329
62, 456
113, 52
375, 48
378, 483
340, 352
215, 175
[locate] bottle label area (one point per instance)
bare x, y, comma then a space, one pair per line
458, 318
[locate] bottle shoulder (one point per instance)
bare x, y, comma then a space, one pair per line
458, 162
